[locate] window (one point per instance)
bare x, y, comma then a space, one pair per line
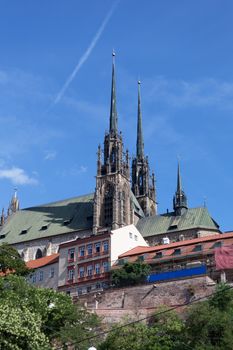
82, 251
158, 255
217, 245
135, 237
130, 235
98, 285
34, 278
89, 249
71, 254
41, 275
97, 269
124, 207
70, 274
89, 270
80, 291
97, 247
197, 248
52, 271
108, 206
81, 272
38, 254
105, 266
105, 245
88, 289
177, 251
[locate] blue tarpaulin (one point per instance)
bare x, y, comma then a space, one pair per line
163, 276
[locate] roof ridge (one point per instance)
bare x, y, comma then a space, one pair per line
59, 201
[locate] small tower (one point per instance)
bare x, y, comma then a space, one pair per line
179, 200
112, 206
143, 185
14, 204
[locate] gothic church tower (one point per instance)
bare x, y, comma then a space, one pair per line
112, 203
143, 186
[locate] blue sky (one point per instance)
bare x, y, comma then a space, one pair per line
183, 53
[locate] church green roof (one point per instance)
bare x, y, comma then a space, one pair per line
52, 219
169, 222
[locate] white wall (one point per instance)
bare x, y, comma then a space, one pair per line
48, 281
124, 239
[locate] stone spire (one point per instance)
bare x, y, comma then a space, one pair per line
140, 143
143, 185
113, 108
179, 199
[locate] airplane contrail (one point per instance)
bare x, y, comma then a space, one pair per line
86, 53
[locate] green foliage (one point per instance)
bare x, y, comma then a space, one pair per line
162, 333
53, 315
130, 274
209, 324
10, 261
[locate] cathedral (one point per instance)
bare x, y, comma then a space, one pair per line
125, 194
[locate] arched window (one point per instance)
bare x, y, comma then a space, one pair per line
124, 207
108, 206
140, 182
38, 254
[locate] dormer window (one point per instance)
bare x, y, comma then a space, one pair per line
23, 232
44, 227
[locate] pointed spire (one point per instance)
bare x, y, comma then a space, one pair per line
140, 143
179, 188
113, 109
180, 199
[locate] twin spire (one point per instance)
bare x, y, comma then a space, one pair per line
140, 143
113, 120
180, 199
113, 108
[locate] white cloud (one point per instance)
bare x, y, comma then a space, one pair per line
50, 155
182, 93
17, 176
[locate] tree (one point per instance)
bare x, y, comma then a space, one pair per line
163, 333
11, 262
54, 316
209, 323
130, 274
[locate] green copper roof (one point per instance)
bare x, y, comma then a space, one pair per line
49, 220
66, 216
167, 223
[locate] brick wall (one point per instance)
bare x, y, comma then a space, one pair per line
140, 301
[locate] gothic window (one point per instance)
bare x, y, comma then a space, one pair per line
140, 183
108, 206
124, 207
113, 159
39, 254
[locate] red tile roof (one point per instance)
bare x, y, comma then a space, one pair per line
140, 250
46, 260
